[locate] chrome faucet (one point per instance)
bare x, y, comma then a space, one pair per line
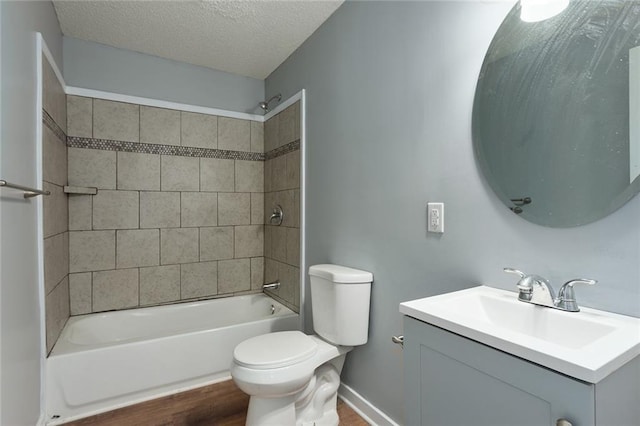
538, 290
271, 286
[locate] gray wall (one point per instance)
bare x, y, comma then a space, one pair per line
96, 66
19, 311
390, 89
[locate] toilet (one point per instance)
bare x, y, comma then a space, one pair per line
292, 378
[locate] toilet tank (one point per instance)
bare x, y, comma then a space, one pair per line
340, 303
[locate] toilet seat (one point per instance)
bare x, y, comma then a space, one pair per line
275, 350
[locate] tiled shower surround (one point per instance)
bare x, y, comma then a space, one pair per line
56, 229
282, 187
179, 212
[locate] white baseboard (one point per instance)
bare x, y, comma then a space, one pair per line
370, 413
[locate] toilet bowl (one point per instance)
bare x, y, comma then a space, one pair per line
279, 371
293, 378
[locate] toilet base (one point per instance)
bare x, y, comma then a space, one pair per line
271, 411
315, 405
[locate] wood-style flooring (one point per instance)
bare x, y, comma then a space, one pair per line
221, 404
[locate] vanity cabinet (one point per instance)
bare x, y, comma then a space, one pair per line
452, 380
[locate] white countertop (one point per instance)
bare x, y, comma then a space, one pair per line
587, 345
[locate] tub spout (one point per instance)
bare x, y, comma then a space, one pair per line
271, 286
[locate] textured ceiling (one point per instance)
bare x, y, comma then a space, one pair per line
246, 37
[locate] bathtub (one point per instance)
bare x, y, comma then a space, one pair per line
109, 360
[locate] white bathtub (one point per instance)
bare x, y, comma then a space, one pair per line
110, 360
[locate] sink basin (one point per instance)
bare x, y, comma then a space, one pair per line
588, 345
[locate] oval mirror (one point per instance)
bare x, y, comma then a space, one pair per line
552, 130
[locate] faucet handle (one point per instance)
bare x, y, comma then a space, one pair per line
579, 281
566, 296
514, 271
525, 284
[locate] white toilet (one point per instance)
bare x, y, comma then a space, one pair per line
292, 377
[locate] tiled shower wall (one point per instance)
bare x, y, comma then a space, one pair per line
282, 187
179, 211
56, 230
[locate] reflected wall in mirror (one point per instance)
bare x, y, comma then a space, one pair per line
551, 119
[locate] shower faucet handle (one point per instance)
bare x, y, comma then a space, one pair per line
277, 215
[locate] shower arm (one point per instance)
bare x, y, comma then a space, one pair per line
265, 104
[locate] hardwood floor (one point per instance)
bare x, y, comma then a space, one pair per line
221, 404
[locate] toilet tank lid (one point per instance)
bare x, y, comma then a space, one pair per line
340, 274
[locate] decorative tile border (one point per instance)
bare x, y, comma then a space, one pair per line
148, 148
284, 149
53, 126
183, 151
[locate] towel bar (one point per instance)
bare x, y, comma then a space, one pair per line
28, 192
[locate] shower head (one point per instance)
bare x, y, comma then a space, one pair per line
265, 104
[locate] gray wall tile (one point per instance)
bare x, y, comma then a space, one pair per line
116, 210
234, 134
159, 126
257, 208
92, 250
287, 275
80, 212
54, 156
115, 289
292, 175
139, 247
216, 243
55, 210
271, 272
293, 246
199, 279
180, 173
56, 312
199, 130
269, 205
279, 173
159, 209
80, 293
159, 284
287, 126
92, 167
268, 241
138, 171
271, 133
208, 247
56, 260
54, 100
257, 273
279, 243
79, 116
216, 175
249, 241
295, 217
296, 290
249, 176
234, 275
291, 281
257, 136
268, 175
178, 245
199, 209
116, 120
234, 209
